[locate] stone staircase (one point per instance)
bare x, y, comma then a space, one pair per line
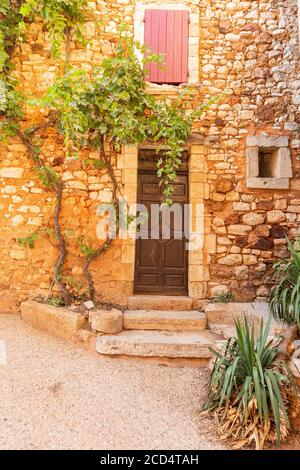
161, 327
164, 329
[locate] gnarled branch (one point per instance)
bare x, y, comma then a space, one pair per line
283, 349
61, 245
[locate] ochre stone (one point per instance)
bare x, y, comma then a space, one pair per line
275, 217
263, 244
107, 321
242, 51
231, 260
252, 218
224, 186
262, 231
277, 231
57, 321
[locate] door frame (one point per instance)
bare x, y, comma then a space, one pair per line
146, 166
199, 260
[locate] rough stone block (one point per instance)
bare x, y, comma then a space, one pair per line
284, 164
158, 344
294, 209
268, 183
252, 162
231, 260
160, 302
12, 172
237, 229
107, 321
228, 313
252, 218
267, 141
164, 320
57, 321
275, 217
17, 254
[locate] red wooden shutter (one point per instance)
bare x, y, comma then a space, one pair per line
167, 33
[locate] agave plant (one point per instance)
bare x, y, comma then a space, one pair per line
284, 301
252, 395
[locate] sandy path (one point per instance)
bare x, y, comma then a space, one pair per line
57, 396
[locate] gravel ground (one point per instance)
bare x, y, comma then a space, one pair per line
57, 396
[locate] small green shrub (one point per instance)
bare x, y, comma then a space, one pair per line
251, 394
30, 240
224, 298
284, 301
55, 301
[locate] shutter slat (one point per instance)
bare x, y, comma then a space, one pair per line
154, 44
170, 46
147, 40
162, 48
185, 46
166, 33
177, 48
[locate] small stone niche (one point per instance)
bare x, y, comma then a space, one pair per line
269, 163
266, 163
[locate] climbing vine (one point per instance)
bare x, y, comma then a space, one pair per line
103, 110
63, 18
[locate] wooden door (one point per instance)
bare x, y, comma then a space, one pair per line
161, 265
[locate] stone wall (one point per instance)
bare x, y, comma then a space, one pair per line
249, 49
249, 52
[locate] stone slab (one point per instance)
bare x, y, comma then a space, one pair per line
164, 320
227, 313
57, 321
267, 141
158, 344
229, 331
159, 302
268, 183
107, 321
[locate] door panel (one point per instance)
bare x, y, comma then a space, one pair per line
161, 265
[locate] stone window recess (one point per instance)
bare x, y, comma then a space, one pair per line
192, 12
269, 163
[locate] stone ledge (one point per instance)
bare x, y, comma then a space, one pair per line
268, 183
159, 302
164, 320
267, 141
106, 321
158, 344
57, 321
227, 313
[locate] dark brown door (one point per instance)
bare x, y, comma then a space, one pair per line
161, 265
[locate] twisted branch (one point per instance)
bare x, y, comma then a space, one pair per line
89, 278
62, 246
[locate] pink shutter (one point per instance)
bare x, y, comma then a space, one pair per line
167, 33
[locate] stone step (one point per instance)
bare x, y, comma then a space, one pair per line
160, 302
227, 313
169, 320
229, 331
223, 330
158, 344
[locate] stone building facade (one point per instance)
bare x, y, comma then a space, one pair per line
243, 166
